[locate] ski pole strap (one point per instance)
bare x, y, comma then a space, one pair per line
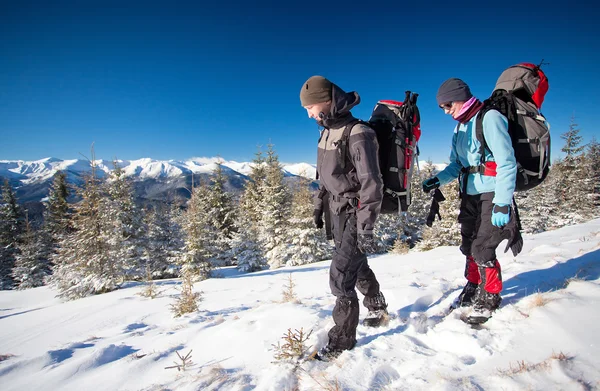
463, 177
434, 209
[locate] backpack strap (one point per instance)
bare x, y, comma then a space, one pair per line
318, 142
484, 168
344, 144
479, 135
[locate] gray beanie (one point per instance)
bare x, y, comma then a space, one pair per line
316, 89
453, 90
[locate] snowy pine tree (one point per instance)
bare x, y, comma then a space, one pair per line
198, 236
447, 231
388, 228
124, 222
593, 173
222, 217
274, 207
246, 248
83, 264
539, 207
163, 242
252, 197
31, 262
409, 225
306, 244
564, 196
11, 228
570, 178
57, 215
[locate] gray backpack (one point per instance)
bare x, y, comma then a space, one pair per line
518, 95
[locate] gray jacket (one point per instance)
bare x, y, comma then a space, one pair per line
361, 176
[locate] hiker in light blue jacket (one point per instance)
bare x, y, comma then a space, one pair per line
486, 215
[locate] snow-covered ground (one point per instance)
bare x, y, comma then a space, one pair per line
544, 337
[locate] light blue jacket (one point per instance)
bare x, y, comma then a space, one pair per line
465, 153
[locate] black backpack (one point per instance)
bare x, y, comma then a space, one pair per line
398, 129
518, 95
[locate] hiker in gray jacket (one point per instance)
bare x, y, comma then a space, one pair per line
351, 184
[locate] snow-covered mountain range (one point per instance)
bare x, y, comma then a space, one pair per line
29, 172
152, 179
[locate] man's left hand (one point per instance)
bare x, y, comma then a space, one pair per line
500, 215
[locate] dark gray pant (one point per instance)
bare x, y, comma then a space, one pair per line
480, 239
349, 269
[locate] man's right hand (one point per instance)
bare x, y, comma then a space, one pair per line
431, 184
318, 218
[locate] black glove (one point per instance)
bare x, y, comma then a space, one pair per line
366, 243
434, 209
318, 218
515, 243
431, 184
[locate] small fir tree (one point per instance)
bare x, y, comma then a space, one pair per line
187, 302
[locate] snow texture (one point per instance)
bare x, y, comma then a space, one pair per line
544, 337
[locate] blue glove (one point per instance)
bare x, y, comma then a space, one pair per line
500, 215
431, 184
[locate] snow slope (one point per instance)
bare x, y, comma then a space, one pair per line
544, 337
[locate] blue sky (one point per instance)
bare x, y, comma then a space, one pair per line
176, 80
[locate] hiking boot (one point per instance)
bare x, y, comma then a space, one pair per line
376, 318
465, 299
485, 304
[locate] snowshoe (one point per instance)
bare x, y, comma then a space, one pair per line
377, 318
327, 353
478, 316
465, 299
485, 304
